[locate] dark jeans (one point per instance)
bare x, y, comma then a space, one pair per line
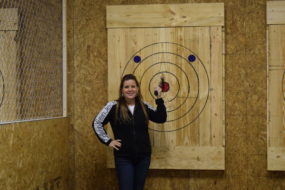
132, 172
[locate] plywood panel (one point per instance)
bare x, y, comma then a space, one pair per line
191, 60
35, 155
276, 97
91, 74
165, 15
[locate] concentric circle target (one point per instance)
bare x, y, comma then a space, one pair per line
2, 88
185, 74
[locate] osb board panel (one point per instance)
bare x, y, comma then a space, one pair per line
35, 155
276, 97
235, 28
91, 74
89, 55
255, 33
276, 12
195, 126
166, 15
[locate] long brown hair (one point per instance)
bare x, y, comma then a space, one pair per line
122, 104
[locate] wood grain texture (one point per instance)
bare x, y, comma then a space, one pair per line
275, 12
276, 94
165, 15
35, 155
9, 19
245, 123
276, 158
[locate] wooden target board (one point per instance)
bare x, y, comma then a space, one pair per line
276, 85
186, 49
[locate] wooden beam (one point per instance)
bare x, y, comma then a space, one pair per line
165, 15
276, 159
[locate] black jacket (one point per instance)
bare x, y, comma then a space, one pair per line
133, 133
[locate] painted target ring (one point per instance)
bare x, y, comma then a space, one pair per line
2, 89
186, 77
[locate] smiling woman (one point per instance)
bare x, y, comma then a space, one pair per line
130, 91
129, 117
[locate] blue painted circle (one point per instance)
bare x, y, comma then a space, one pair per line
191, 58
137, 59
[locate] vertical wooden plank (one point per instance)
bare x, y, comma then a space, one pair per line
275, 81
204, 79
217, 87
115, 37
276, 98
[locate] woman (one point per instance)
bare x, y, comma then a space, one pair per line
129, 117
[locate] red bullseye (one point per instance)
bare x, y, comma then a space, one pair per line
164, 86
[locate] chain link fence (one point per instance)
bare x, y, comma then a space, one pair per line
31, 59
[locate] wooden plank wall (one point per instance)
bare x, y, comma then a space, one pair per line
193, 136
246, 152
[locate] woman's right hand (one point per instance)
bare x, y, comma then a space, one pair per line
116, 144
158, 91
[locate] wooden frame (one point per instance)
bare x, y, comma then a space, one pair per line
165, 15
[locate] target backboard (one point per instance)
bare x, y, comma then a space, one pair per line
186, 51
276, 85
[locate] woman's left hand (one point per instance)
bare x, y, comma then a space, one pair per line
116, 144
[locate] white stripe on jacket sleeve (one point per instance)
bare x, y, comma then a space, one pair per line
149, 106
98, 122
